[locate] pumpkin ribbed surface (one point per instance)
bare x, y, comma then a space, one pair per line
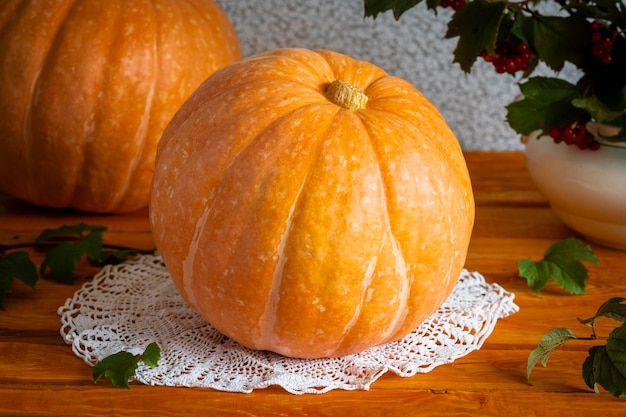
305, 227
87, 87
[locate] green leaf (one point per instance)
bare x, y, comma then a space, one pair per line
75, 231
121, 367
16, 265
561, 263
477, 25
151, 355
612, 308
61, 259
113, 257
606, 365
547, 103
559, 39
598, 111
547, 344
530, 270
374, 7
548, 89
524, 117
92, 245
607, 10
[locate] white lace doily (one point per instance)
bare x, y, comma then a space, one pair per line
127, 306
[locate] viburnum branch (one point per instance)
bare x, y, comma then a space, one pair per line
64, 246
605, 365
515, 37
4, 248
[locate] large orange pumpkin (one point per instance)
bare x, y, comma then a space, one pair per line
310, 204
87, 87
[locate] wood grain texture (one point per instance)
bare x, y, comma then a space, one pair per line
40, 375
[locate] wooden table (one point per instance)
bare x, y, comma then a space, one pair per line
39, 374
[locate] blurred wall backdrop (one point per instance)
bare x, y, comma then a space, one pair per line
413, 48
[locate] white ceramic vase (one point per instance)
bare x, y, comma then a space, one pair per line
586, 189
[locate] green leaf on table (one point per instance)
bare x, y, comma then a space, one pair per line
16, 265
606, 365
374, 7
76, 231
547, 103
61, 259
612, 308
547, 344
121, 367
562, 262
477, 25
113, 257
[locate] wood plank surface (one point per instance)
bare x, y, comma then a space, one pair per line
40, 375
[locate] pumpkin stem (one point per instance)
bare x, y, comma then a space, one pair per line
346, 95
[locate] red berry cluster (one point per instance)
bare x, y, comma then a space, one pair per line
508, 57
602, 43
577, 135
455, 5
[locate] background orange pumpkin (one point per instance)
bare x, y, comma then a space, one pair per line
297, 225
87, 87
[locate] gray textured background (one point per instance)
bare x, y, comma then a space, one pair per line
413, 48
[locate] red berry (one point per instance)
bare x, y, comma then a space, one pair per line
486, 56
525, 56
522, 48
607, 58
597, 51
580, 132
596, 26
596, 37
509, 57
499, 60
606, 43
457, 5
500, 69
568, 135
511, 65
555, 133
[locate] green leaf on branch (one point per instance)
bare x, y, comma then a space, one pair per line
561, 263
606, 365
16, 265
374, 7
547, 344
121, 367
559, 39
597, 109
64, 247
477, 25
602, 10
547, 102
612, 308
